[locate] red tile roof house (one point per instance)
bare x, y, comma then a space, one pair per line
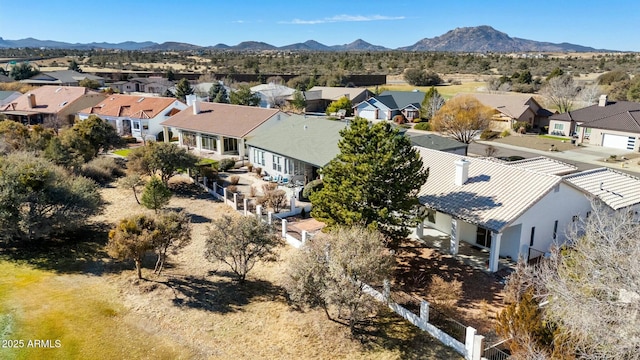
220, 129
612, 124
136, 116
53, 104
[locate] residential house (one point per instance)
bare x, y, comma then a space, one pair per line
389, 104
510, 108
436, 142
219, 128
155, 85
296, 147
134, 115
318, 98
272, 95
202, 90
477, 201
612, 124
61, 78
7, 97
51, 104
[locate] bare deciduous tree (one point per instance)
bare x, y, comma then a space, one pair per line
239, 242
331, 270
561, 91
589, 94
592, 289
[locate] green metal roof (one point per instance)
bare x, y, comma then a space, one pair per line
313, 140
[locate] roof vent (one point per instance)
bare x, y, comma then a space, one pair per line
140, 100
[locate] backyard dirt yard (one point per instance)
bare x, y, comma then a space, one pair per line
536, 142
194, 310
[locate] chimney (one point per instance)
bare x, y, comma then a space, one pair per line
603, 100
31, 100
462, 172
190, 99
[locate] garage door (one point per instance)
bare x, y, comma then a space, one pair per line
618, 141
367, 114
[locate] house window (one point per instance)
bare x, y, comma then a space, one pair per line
293, 167
277, 163
136, 125
558, 127
533, 235
587, 133
555, 230
258, 156
230, 145
209, 142
189, 138
483, 237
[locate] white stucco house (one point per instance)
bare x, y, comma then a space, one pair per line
512, 210
272, 95
136, 116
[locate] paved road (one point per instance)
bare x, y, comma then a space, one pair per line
583, 158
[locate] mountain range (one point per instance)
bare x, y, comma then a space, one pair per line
466, 39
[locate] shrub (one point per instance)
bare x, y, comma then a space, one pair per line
488, 134
274, 199
445, 294
258, 171
102, 169
423, 126
269, 187
253, 191
234, 180
226, 164
521, 125
232, 189
130, 140
249, 167
209, 172
399, 119
312, 187
505, 133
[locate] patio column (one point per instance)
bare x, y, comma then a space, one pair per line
220, 145
455, 237
165, 133
199, 141
420, 230
494, 253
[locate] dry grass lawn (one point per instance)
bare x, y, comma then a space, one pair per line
194, 310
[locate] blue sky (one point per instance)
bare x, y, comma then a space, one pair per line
599, 24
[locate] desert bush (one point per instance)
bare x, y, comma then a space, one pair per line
517, 126
258, 170
399, 119
209, 172
505, 133
311, 187
253, 191
445, 295
269, 187
226, 164
234, 179
102, 169
423, 126
610, 77
488, 134
249, 167
232, 189
274, 199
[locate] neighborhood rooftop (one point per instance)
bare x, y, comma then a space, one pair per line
613, 115
223, 119
310, 139
129, 105
434, 142
45, 99
617, 190
510, 104
544, 165
494, 195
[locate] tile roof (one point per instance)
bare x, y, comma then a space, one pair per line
138, 107
313, 140
221, 119
616, 115
61, 76
49, 99
494, 195
616, 189
8, 96
544, 165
